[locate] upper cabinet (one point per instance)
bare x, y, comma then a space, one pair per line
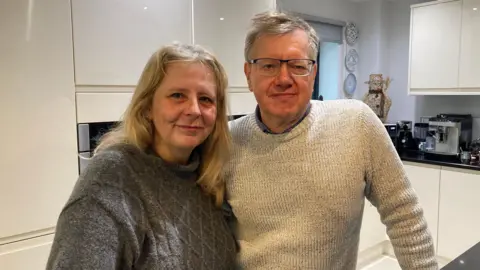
221, 26
470, 44
444, 36
435, 46
113, 39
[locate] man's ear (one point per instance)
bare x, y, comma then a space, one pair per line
314, 71
247, 69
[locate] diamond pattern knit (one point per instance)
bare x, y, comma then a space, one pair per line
131, 210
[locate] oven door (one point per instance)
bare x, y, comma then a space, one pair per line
88, 135
83, 160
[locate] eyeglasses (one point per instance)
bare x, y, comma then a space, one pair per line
272, 67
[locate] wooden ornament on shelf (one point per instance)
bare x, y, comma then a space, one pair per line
376, 97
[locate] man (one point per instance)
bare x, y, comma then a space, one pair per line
301, 169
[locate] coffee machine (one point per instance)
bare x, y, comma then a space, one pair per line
448, 133
405, 139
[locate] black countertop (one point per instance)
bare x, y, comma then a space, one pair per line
417, 156
470, 260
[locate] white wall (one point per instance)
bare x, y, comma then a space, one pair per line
372, 43
398, 38
340, 10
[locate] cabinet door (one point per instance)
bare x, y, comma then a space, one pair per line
470, 44
38, 164
31, 254
242, 103
459, 221
435, 46
373, 231
114, 38
425, 180
221, 26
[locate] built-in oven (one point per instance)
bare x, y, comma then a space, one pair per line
88, 135
233, 117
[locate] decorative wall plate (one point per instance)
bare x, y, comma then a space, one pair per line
351, 33
350, 84
351, 60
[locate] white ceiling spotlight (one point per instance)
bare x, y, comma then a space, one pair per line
221, 19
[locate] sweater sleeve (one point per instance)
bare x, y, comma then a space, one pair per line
88, 237
391, 192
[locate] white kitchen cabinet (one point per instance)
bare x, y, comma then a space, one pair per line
221, 26
38, 164
470, 44
425, 180
101, 107
459, 220
31, 254
241, 103
435, 47
114, 38
373, 231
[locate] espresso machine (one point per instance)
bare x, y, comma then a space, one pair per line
447, 133
404, 139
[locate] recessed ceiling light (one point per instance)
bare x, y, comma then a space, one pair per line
221, 19
145, 7
475, 8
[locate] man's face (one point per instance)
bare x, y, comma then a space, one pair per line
282, 96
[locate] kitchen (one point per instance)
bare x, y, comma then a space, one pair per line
81, 69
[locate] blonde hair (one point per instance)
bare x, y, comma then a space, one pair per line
136, 128
279, 23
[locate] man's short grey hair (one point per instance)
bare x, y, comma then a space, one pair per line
279, 23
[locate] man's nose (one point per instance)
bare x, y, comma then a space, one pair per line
284, 77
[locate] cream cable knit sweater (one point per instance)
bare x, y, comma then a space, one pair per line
299, 196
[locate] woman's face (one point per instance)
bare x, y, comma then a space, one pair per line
184, 110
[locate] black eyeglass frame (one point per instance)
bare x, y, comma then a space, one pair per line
312, 62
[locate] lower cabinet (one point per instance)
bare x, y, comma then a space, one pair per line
425, 180
373, 232
459, 219
31, 254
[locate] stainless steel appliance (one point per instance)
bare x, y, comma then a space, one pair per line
420, 132
405, 139
89, 135
392, 130
449, 132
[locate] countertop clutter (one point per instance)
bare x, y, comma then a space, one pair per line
445, 139
432, 159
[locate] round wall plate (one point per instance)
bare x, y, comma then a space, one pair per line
351, 33
350, 84
351, 60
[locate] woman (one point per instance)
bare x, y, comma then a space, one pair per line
151, 195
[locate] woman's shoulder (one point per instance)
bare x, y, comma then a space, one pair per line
115, 159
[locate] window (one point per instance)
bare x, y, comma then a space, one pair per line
330, 54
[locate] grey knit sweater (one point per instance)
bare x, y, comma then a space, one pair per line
299, 196
131, 210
